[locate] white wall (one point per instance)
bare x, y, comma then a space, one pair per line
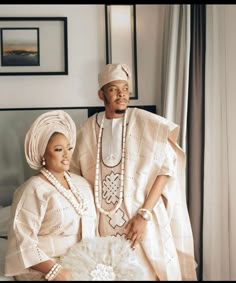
86, 56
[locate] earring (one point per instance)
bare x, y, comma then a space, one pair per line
43, 162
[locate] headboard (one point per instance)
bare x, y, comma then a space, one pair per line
14, 124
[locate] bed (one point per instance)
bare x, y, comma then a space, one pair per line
14, 124
4, 218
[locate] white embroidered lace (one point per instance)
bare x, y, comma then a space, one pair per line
103, 272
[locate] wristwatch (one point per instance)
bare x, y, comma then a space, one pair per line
145, 213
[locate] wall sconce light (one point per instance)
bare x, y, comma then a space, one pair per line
121, 40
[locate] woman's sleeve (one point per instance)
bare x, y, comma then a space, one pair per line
27, 214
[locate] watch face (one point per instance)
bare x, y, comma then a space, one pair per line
145, 215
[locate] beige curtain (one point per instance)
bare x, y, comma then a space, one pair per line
219, 229
195, 125
183, 100
175, 67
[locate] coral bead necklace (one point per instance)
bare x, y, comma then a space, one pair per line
78, 203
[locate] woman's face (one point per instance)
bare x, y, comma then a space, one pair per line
58, 153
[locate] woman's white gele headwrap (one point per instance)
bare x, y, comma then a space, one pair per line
113, 72
43, 127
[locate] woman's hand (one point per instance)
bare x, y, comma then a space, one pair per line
63, 275
135, 230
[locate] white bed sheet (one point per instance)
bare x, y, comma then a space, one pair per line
2, 261
4, 220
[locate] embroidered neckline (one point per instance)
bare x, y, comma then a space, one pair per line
97, 183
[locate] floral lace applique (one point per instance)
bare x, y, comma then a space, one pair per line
103, 272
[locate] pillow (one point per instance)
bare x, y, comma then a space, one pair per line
4, 220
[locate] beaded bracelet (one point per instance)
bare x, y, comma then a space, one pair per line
53, 272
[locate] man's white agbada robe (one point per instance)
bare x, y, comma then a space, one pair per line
151, 150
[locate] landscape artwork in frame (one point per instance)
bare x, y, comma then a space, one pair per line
33, 46
20, 47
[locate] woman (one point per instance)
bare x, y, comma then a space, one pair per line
52, 210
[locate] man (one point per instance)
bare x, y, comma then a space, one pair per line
137, 169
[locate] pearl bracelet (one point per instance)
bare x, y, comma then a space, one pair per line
145, 213
53, 272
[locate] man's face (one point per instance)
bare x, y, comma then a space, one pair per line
115, 96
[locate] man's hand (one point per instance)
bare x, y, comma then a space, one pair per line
135, 230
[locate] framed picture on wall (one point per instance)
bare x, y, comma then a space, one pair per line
33, 46
121, 44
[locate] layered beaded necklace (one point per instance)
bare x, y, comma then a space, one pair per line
97, 185
78, 203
